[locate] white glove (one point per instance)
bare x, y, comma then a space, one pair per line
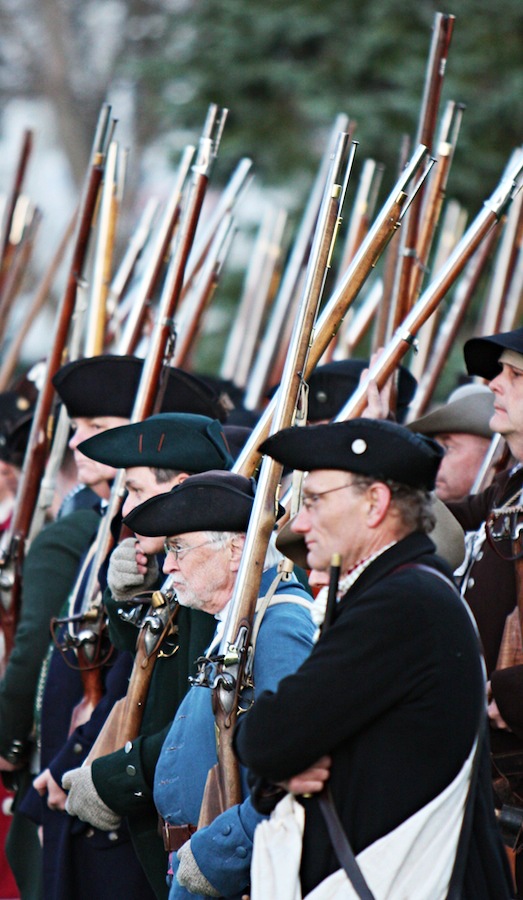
190, 876
84, 801
123, 577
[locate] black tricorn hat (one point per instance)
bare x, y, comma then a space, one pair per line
13, 406
106, 386
182, 441
331, 385
14, 437
213, 501
482, 354
379, 448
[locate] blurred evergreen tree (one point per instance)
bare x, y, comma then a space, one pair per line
286, 70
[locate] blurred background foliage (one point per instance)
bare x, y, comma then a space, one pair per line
284, 70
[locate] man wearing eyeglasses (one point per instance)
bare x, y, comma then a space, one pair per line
387, 707
206, 518
157, 454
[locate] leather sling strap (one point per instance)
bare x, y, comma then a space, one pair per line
341, 845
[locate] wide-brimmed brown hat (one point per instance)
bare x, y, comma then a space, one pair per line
468, 410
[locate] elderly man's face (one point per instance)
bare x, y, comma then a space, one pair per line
203, 571
331, 519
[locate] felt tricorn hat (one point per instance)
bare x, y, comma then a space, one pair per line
379, 448
13, 406
106, 386
331, 385
468, 410
482, 354
182, 441
213, 501
14, 437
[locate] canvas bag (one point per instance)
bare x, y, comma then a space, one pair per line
412, 862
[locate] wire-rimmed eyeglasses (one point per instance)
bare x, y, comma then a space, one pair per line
180, 552
310, 501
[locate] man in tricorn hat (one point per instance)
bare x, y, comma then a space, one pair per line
99, 393
157, 454
394, 678
331, 385
205, 519
492, 582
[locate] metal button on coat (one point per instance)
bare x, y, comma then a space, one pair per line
131, 770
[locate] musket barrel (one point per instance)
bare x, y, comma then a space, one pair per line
336, 307
403, 338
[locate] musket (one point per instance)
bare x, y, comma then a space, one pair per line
282, 309
125, 719
503, 268
155, 261
263, 273
435, 194
449, 328
118, 306
404, 337
381, 325
514, 299
453, 226
12, 549
26, 223
385, 225
197, 301
238, 183
441, 37
363, 209
230, 671
102, 258
358, 322
6, 247
361, 217
11, 357
62, 427
86, 625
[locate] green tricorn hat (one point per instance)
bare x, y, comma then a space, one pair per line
107, 385
213, 501
182, 441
